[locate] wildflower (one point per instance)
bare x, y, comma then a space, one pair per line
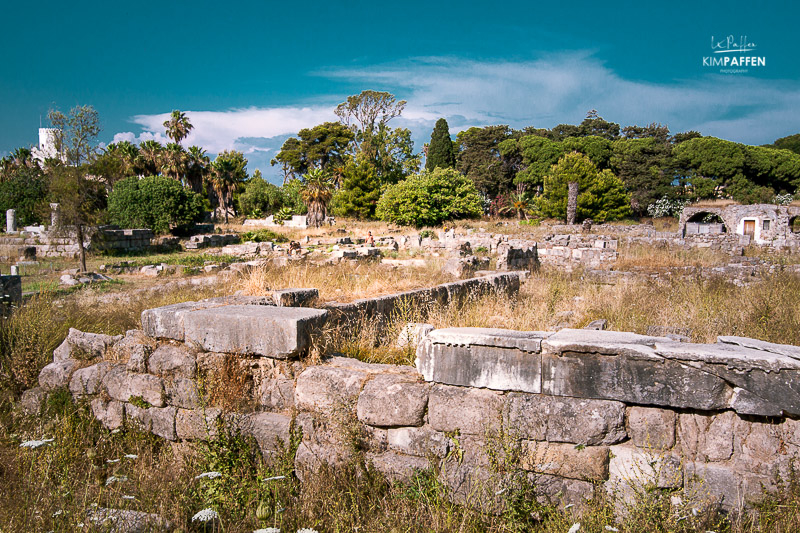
273, 478
35, 443
58, 513
206, 515
307, 530
112, 479
80, 524
268, 530
128, 497
131, 456
209, 475
112, 461
575, 528
612, 529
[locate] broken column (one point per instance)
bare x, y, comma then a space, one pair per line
11, 221
55, 214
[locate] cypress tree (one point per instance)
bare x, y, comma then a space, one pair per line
441, 151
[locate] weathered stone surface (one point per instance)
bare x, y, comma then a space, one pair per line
276, 394
730, 488
652, 428
32, 401
392, 400
182, 392
412, 334
324, 442
110, 413
471, 411
133, 349
594, 341
579, 421
294, 297
158, 421
460, 267
89, 345
88, 380
422, 441
172, 361
271, 431
746, 403
396, 466
632, 471
481, 357
57, 375
278, 332
588, 463
562, 492
781, 349
167, 321
325, 387
518, 258
62, 352
121, 385
197, 423
636, 375
771, 376
705, 437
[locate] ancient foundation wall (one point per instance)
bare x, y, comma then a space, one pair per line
574, 411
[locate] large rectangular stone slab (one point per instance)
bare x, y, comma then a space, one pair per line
167, 322
277, 332
497, 359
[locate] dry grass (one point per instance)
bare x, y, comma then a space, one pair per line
641, 256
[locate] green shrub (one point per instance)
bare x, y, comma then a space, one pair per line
430, 198
263, 235
25, 191
153, 202
261, 198
359, 193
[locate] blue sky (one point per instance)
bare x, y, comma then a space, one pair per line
249, 74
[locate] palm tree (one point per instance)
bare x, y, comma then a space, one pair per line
178, 126
127, 154
316, 192
173, 161
198, 166
150, 157
228, 171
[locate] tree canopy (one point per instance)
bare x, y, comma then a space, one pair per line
441, 150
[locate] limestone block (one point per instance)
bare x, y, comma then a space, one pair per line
32, 401
158, 421
294, 297
89, 345
134, 349
170, 360
782, 349
57, 375
326, 387
422, 441
396, 466
278, 332
471, 411
652, 428
632, 471
705, 437
562, 492
773, 377
412, 334
182, 392
728, 487
191, 424
392, 400
587, 463
482, 357
110, 413
167, 321
276, 394
121, 385
271, 431
579, 421
87, 381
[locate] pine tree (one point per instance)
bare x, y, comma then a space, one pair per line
441, 151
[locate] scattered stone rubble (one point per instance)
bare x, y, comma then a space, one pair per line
588, 409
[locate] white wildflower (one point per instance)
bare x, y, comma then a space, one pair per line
575, 528
307, 530
209, 475
128, 497
206, 515
273, 478
612, 529
35, 443
112, 461
268, 530
80, 525
115, 431
131, 456
58, 513
112, 479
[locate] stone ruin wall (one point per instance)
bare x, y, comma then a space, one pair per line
583, 411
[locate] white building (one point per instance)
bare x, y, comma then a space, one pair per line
48, 144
